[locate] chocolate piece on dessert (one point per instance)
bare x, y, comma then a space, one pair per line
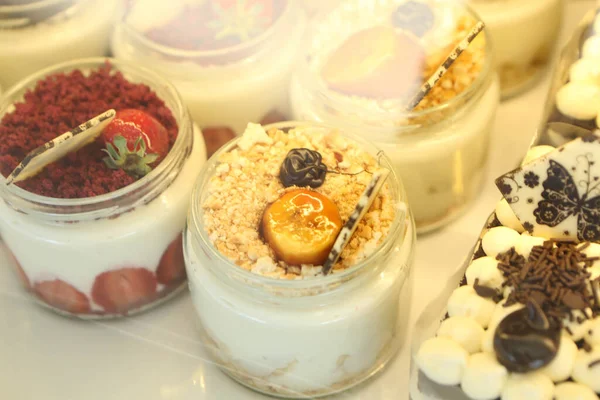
415, 17
558, 195
485, 291
442, 69
364, 202
303, 167
60, 146
522, 345
536, 317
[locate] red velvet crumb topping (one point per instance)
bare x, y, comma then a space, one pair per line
59, 103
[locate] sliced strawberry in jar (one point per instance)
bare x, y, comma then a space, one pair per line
215, 137
59, 294
171, 268
121, 290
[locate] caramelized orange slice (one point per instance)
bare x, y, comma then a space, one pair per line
377, 62
301, 227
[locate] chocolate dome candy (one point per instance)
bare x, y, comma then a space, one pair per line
303, 167
525, 340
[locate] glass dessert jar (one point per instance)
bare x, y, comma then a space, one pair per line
440, 148
39, 33
225, 80
293, 331
110, 254
520, 62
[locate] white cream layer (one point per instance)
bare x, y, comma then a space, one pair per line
301, 346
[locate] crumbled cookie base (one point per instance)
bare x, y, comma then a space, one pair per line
246, 180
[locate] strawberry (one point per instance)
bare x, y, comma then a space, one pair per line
61, 295
121, 290
135, 141
171, 268
215, 137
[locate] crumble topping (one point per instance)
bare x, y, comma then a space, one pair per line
246, 180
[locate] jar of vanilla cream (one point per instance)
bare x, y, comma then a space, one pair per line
256, 249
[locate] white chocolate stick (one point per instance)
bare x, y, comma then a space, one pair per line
442, 69
60, 146
364, 202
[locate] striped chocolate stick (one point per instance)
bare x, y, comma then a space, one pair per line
442, 69
364, 202
60, 146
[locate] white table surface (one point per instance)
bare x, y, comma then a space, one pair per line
158, 356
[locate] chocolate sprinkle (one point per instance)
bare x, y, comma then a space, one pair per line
554, 284
594, 363
554, 276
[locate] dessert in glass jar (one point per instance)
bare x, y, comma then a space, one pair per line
35, 34
573, 102
521, 319
231, 61
520, 62
265, 213
96, 230
439, 148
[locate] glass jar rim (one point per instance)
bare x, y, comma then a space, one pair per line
311, 80
6, 100
278, 25
401, 222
